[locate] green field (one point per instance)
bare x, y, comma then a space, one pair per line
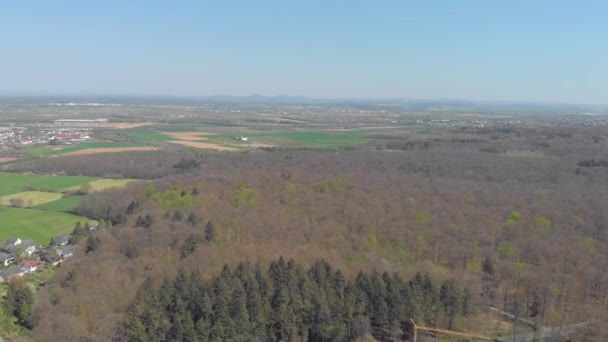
145, 135
11, 183
31, 198
65, 204
34, 224
312, 139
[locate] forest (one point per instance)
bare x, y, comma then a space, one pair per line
346, 244
288, 302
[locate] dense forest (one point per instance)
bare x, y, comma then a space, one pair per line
288, 302
522, 232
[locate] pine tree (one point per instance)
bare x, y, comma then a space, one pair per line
210, 232
19, 300
192, 219
449, 296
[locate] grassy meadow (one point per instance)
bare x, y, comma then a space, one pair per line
38, 225
11, 183
65, 204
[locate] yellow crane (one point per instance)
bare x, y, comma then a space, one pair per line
448, 332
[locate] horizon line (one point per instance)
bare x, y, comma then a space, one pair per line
26, 94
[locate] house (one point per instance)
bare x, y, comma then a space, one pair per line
30, 266
51, 259
61, 240
12, 242
28, 247
24, 248
93, 225
66, 251
6, 259
11, 273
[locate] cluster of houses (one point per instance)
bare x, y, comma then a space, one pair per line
12, 135
32, 256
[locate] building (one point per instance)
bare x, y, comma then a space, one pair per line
30, 266
81, 122
51, 259
15, 246
66, 251
28, 247
61, 240
12, 241
6, 259
11, 273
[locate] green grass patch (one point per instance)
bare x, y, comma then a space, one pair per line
65, 204
30, 198
145, 135
38, 225
11, 183
322, 140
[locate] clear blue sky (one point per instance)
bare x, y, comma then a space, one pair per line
528, 50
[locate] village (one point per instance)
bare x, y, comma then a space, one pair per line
21, 257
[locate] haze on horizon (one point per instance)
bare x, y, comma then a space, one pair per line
548, 51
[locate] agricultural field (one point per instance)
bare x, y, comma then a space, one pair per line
103, 184
34, 224
11, 183
65, 204
30, 198
312, 139
223, 138
82, 148
214, 137
44, 212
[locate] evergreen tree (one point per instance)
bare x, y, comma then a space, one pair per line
19, 300
189, 246
177, 216
210, 232
449, 297
93, 244
192, 219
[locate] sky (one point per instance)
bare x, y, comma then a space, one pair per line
548, 51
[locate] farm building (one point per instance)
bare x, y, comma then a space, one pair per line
81, 122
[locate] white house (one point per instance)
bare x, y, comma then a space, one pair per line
12, 242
